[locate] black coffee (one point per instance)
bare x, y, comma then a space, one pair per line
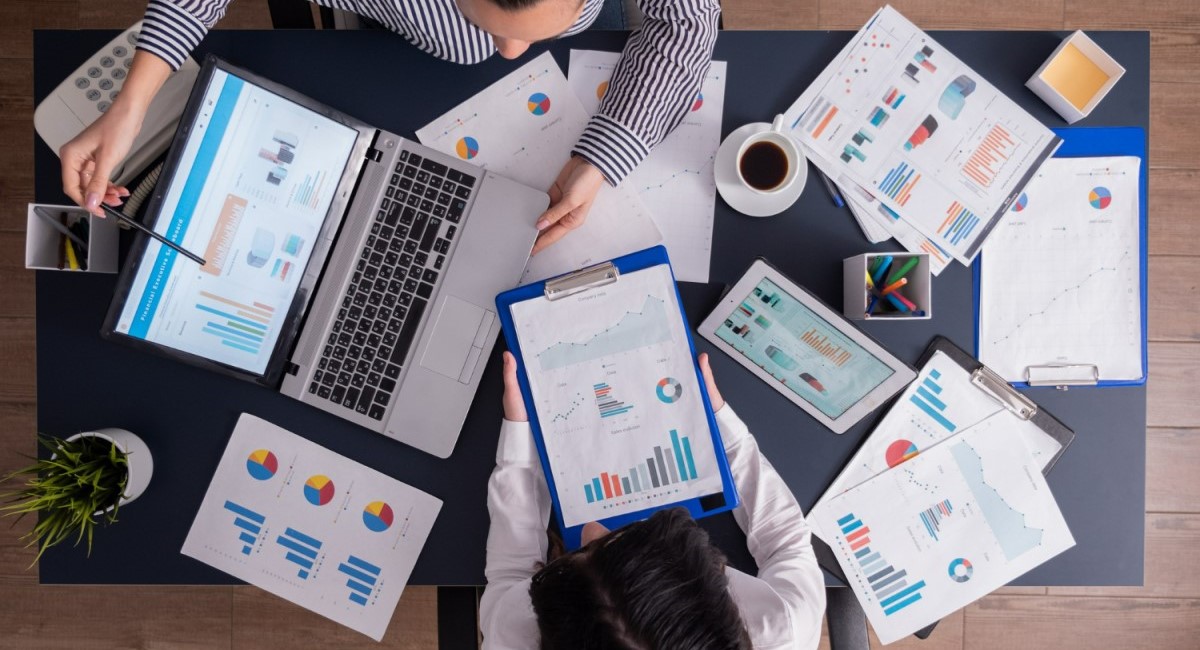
764, 165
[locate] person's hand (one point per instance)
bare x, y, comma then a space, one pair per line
571, 198
714, 395
514, 404
89, 159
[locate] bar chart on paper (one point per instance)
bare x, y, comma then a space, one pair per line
891, 588
363, 578
661, 469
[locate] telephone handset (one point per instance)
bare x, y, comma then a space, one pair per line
90, 90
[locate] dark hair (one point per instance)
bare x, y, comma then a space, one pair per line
517, 5
658, 584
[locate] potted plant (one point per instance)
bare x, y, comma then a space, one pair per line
86, 479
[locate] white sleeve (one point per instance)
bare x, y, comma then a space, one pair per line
776, 534
519, 506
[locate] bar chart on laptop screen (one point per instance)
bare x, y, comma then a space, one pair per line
619, 407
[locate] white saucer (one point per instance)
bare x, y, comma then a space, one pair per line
743, 199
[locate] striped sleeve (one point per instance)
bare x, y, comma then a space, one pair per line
173, 28
653, 86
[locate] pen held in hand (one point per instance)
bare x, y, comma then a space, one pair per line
163, 240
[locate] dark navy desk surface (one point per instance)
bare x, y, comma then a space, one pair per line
186, 414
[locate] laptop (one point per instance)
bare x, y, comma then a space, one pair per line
345, 266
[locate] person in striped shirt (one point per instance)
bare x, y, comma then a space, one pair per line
652, 88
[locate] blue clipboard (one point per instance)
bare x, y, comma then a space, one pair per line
1096, 141
605, 274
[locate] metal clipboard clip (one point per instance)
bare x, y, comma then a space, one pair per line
586, 279
994, 385
1063, 375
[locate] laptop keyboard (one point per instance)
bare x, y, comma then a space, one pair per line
397, 272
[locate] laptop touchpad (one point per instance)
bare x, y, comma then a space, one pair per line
453, 333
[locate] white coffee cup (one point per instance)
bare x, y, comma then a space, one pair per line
766, 177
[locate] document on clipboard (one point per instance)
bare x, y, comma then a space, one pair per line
1062, 280
952, 394
619, 410
947, 499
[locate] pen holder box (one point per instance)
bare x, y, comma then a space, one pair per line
917, 291
1075, 77
44, 242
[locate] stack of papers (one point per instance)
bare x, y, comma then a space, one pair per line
311, 526
524, 127
945, 502
924, 148
676, 181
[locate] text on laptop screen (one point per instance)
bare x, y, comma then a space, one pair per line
257, 175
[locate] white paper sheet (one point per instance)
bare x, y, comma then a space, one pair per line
934, 141
940, 403
944, 529
310, 526
871, 209
676, 180
523, 127
1061, 277
617, 399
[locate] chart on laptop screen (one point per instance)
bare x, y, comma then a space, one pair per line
618, 402
256, 178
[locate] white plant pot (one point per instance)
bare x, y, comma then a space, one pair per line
140, 465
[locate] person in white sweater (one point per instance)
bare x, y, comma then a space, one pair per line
656, 584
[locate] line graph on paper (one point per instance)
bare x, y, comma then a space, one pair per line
1061, 276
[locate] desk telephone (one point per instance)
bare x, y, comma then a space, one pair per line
89, 91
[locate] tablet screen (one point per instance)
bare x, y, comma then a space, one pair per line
253, 185
806, 353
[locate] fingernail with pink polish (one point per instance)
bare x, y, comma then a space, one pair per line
541, 225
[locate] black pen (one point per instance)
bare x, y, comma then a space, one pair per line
833, 193
176, 247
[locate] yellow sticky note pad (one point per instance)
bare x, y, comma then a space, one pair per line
1075, 76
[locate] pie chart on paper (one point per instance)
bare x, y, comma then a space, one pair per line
539, 104
262, 464
378, 516
900, 451
467, 148
1100, 197
318, 490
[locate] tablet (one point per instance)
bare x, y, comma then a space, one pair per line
804, 349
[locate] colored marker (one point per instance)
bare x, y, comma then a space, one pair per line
833, 193
871, 305
893, 286
870, 283
903, 271
887, 261
900, 297
899, 305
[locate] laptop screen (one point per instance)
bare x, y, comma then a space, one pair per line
255, 180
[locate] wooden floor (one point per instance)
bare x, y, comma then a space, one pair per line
1165, 613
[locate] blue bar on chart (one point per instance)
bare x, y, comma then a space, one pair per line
932, 517
927, 399
238, 325
890, 586
249, 521
363, 577
666, 467
959, 223
609, 405
302, 550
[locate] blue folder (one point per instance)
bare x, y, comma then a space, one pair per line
1087, 142
699, 507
